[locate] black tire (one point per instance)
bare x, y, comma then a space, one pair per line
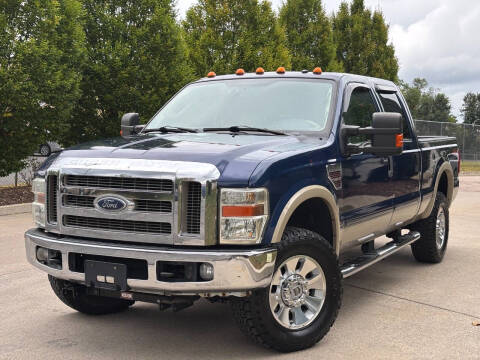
75, 296
427, 249
253, 313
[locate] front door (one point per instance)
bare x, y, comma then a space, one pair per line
366, 197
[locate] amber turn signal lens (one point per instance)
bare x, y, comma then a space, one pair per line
240, 72
259, 71
317, 71
242, 211
399, 140
281, 70
211, 74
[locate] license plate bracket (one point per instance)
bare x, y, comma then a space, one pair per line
106, 275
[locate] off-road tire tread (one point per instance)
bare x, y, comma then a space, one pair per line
74, 296
425, 249
246, 310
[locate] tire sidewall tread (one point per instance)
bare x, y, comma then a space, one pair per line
425, 249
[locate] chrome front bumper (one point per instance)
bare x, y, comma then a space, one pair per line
235, 271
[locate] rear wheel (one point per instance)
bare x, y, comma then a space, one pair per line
76, 297
303, 299
432, 245
45, 150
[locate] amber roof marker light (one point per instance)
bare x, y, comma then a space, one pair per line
259, 71
211, 74
317, 71
281, 70
240, 72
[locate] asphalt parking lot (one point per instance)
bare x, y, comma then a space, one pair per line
397, 309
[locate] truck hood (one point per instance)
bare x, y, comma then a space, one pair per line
235, 156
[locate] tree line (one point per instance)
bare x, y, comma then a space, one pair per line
70, 68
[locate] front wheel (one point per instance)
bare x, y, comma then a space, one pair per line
76, 297
303, 299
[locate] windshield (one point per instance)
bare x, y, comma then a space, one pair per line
277, 104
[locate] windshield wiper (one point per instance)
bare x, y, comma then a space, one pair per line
238, 129
171, 129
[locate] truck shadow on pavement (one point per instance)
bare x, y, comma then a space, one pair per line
203, 331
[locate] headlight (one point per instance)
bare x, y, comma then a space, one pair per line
243, 215
38, 206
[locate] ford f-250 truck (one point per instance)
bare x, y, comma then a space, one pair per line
245, 188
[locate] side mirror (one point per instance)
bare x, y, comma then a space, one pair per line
387, 138
386, 134
129, 124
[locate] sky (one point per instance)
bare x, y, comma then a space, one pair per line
433, 39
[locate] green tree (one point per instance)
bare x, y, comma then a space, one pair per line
41, 49
223, 35
471, 108
136, 62
309, 35
361, 38
427, 103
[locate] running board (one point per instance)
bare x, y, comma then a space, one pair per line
362, 262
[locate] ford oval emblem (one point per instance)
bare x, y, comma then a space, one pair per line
111, 203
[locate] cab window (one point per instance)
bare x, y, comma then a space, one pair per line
360, 111
391, 103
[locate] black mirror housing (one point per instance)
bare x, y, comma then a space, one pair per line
386, 134
128, 123
390, 142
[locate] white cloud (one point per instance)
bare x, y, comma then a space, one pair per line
434, 39
443, 48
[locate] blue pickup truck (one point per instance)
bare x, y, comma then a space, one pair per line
248, 188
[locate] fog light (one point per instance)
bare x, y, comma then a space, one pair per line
49, 257
42, 254
206, 271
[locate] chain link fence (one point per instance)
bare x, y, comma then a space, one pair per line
468, 136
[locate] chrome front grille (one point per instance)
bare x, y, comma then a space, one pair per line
52, 190
165, 202
117, 225
111, 182
194, 199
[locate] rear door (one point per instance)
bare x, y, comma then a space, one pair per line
366, 197
404, 169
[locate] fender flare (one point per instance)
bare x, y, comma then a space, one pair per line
309, 192
445, 168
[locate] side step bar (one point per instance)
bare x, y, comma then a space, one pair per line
362, 262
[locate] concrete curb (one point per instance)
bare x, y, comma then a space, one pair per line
15, 209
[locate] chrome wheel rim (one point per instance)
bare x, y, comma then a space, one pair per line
440, 228
297, 292
44, 150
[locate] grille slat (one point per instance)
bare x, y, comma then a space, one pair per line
117, 225
193, 210
78, 201
140, 205
164, 185
153, 206
52, 185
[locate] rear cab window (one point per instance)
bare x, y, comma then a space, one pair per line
391, 102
